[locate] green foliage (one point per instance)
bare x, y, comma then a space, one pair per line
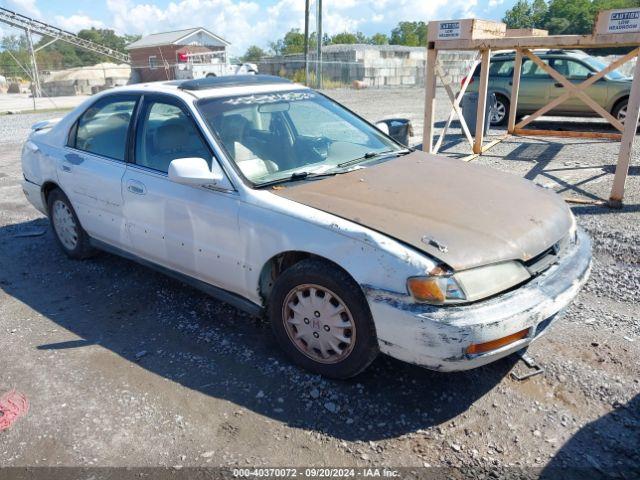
347, 38
253, 54
379, 39
412, 34
293, 42
565, 17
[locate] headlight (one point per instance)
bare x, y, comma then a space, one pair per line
468, 285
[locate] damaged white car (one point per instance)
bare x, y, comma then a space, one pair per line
276, 199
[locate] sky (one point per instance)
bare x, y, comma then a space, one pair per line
246, 22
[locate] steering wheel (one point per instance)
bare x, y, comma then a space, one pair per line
320, 146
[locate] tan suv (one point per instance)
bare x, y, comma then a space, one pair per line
537, 88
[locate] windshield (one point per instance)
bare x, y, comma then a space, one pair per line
276, 135
598, 65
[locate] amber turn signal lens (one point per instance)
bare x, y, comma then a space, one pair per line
425, 289
495, 344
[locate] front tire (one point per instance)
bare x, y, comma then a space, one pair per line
500, 115
322, 321
70, 235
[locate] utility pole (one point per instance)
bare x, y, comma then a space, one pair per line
35, 80
319, 30
306, 42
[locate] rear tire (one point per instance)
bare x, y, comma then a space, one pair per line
69, 234
321, 319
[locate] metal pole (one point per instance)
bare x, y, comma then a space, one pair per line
319, 30
306, 42
34, 68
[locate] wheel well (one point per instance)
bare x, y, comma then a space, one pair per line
277, 264
503, 96
47, 188
618, 102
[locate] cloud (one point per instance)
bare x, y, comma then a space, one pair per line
76, 22
249, 22
245, 22
25, 7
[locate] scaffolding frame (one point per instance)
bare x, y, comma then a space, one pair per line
523, 47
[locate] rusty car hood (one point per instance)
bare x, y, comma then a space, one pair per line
464, 215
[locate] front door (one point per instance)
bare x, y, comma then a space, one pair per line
577, 72
192, 230
93, 166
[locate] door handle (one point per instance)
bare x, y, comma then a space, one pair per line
558, 84
136, 187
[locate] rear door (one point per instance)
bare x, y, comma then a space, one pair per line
534, 87
189, 229
93, 166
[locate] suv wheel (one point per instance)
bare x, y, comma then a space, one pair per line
620, 110
70, 235
500, 114
322, 321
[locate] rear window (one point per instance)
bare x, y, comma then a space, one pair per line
497, 68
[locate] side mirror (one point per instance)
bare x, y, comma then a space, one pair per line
400, 129
383, 127
195, 171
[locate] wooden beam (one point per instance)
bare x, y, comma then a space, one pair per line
493, 143
430, 100
573, 90
515, 90
482, 100
552, 41
455, 106
524, 132
587, 83
628, 137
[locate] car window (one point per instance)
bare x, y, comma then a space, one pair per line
571, 68
533, 70
314, 120
165, 134
501, 69
271, 136
102, 128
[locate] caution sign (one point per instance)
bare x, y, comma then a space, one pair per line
624, 21
448, 30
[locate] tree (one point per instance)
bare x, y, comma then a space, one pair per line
293, 42
253, 54
579, 14
412, 34
345, 38
539, 12
519, 16
379, 39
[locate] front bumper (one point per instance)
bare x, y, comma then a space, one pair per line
33, 192
438, 337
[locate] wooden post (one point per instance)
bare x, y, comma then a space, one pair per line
306, 43
430, 99
482, 100
515, 90
626, 145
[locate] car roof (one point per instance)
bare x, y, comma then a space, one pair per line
543, 53
229, 85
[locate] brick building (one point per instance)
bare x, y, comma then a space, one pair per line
155, 57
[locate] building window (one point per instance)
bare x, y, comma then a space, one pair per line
153, 62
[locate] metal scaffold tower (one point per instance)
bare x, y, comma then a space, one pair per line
32, 26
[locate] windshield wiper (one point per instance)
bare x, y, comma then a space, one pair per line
370, 155
295, 176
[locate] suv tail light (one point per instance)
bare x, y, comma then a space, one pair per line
463, 79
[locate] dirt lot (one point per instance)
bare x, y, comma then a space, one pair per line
125, 367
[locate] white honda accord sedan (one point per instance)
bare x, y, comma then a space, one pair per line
276, 199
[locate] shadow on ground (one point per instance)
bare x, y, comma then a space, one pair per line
193, 340
606, 448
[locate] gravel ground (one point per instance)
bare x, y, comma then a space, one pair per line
125, 367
